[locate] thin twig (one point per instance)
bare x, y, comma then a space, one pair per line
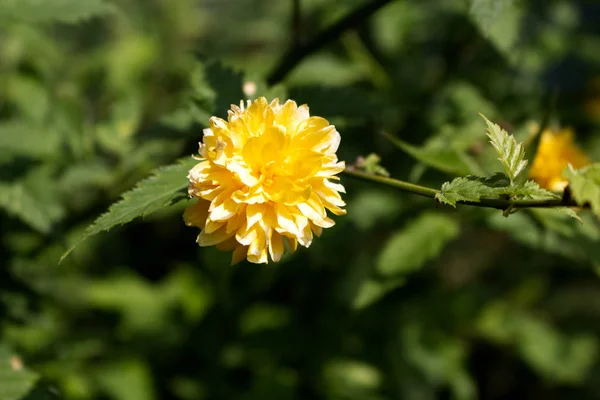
295, 54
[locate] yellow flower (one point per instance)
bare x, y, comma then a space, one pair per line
265, 177
555, 151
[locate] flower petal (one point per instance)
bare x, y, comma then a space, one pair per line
196, 214
210, 239
223, 211
276, 246
239, 254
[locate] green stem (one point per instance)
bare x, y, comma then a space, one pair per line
404, 186
500, 204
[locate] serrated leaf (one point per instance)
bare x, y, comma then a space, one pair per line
371, 164
15, 380
553, 220
510, 153
51, 10
569, 212
148, 196
419, 241
473, 189
585, 185
450, 161
532, 191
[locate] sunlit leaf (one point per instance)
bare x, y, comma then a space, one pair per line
585, 185
510, 153
473, 189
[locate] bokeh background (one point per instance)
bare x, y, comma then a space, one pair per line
402, 299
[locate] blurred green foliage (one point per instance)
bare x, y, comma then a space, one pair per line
400, 300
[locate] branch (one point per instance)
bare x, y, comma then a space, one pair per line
295, 54
499, 204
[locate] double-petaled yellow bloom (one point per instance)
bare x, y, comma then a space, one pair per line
556, 150
266, 176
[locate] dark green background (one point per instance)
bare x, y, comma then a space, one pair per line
402, 299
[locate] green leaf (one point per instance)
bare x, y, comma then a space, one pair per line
345, 378
371, 290
418, 242
510, 153
532, 191
474, 188
500, 22
20, 201
569, 212
450, 161
371, 165
487, 12
441, 358
18, 138
374, 206
551, 353
585, 185
549, 231
150, 195
69, 11
263, 317
33, 199
15, 380
227, 86
471, 188
127, 379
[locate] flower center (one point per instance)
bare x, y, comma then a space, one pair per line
266, 174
